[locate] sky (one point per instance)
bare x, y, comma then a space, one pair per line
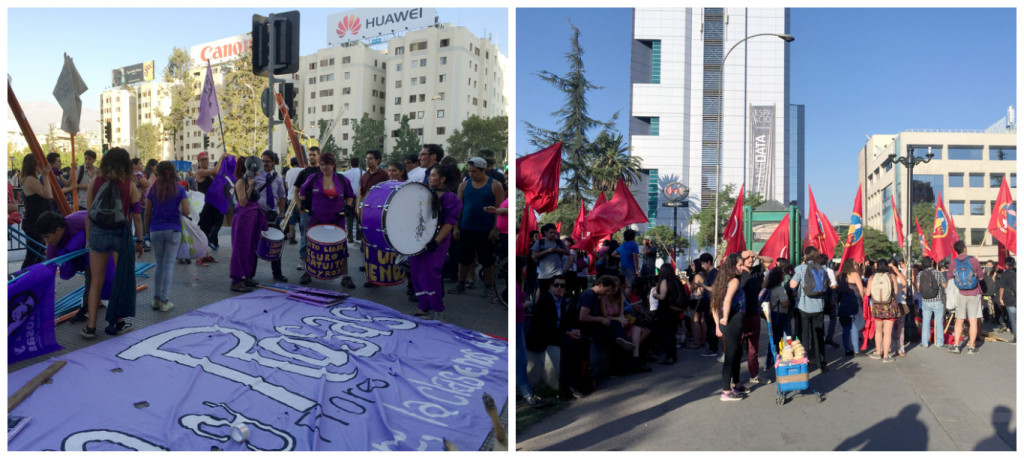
857, 71
103, 39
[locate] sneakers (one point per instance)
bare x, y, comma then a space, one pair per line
213, 247
755, 380
972, 351
534, 401
730, 396
250, 282
165, 306
156, 303
721, 357
740, 389
955, 349
305, 280
119, 328
240, 288
874, 355
708, 353
89, 333
625, 344
888, 359
300, 266
346, 281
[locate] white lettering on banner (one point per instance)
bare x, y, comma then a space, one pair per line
390, 446
460, 385
77, 441
195, 422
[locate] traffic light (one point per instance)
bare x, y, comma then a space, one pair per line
285, 32
288, 93
106, 148
106, 133
206, 142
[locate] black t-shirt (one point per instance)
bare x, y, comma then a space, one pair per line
301, 180
750, 282
588, 299
1008, 283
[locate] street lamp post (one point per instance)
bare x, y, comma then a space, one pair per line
910, 161
718, 158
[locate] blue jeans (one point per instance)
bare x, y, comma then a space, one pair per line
1012, 311
929, 308
522, 378
165, 249
303, 227
851, 335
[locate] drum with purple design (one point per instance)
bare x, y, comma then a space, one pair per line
270, 244
399, 216
326, 248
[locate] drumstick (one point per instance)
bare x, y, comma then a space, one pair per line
272, 289
288, 213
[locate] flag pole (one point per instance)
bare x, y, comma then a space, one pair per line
74, 181
223, 142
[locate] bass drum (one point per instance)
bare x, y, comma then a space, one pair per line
399, 216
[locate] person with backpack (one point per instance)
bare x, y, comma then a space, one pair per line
811, 282
86, 173
114, 207
897, 268
548, 252
165, 204
884, 309
1007, 293
930, 284
966, 273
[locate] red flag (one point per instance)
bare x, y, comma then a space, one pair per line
733, 235
577, 228
820, 233
925, 250
899, 221
777, 245
621, 211
854, 248
527, 225
558, 227
1001, 264
587, 240
1003, 224
829, 237
537, 176
944, 233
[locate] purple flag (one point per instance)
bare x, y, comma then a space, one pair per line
208, 106
30, 314
354, 376
218, 195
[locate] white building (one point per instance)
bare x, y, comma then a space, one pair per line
676, 58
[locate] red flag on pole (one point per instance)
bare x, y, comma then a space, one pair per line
899, 221
588, 240
1003, 224
925, 250
944, 233
621, 211
733, 235
558, 227
528, 224
854, 248
577, 228
1001, 264
777, 245
537, 176
820, 233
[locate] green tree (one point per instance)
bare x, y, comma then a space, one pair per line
877, 245
478, 133
183, 88
613, 161
368, 134
925, 213
565, 213
50, 140
407, 142
245, 125
574, 123
147, 142
706, 217
664, 238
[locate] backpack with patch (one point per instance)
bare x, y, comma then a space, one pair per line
882, 291
107, 210
814, 280
963, 274
930, 288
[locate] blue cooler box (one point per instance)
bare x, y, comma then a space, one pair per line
792, 377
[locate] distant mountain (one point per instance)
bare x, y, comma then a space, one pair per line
41, 114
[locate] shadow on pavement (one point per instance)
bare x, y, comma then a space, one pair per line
1003, 437
902, 432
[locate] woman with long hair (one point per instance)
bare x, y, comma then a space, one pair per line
884, 310
613, 306
115, 167
330, 192
667, 292
425, 267
246, 225
851, 297
35, 180
728, 307
165, 204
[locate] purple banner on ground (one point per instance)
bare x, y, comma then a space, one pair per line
355, 376
30, 314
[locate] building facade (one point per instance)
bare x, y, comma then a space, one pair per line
676, 92
967, 169
130, 106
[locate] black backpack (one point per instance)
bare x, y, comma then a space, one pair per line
929, 285
107, 210
814, 280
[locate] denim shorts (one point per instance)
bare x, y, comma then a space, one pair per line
106, 240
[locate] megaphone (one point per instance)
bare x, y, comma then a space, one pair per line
252, 166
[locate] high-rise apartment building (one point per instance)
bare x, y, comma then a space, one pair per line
130, 106
676, 93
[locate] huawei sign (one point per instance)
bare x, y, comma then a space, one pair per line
349, 25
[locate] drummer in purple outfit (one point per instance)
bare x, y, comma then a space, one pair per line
329, 192
246, 226
271, 201
426, 267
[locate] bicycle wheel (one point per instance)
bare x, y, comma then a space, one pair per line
501, 282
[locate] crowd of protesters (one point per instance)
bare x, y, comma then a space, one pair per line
634, 309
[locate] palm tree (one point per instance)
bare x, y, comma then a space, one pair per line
613, 161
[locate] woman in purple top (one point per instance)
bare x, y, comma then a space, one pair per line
426, 266
246, 226
330, 192
165, 204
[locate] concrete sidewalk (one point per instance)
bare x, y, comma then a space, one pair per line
928, 400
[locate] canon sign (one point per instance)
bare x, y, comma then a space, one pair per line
222, 50
366, 23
